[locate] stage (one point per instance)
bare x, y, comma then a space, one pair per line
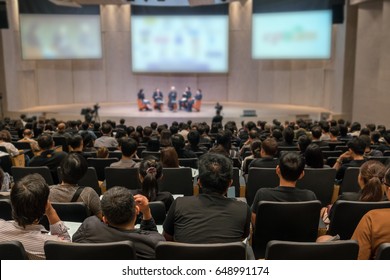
232, 111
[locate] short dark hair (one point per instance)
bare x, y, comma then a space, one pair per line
303, 142
73, 167
45, 141
288, 135
314, 157
291, 166
178, 141
270, 146
316, 131
128, 146
29, 197
357, 145
334, 130
193, 137
75, 141
106, 128
215, 172
118, 205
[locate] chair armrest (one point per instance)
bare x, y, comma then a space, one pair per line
18, 160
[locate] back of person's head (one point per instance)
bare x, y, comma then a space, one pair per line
370, 180
122, 121
215, 173
5, 135
76, 141
153, 125
147, 131
324, 125
128, 146
371, 127
169, 158
357, 145
291, 166
153, 144
250, 125
102, 152
224, 138
106, 128
288, 135
366, 139
29, 197
150, 171
165, 138
118, 206
193, 138
303, 143
178, 141
355, 126
314, 157
365, 131
277, 134
256, 148
270, 147
316, 132
343, 130
334, 130
253, 134
27, 132
73, 168
45, 141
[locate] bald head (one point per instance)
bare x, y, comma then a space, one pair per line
61, 127
27, 133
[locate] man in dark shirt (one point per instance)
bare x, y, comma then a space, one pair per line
178, 143
48, 157
351, 158
290, 170
209, 217
120, 211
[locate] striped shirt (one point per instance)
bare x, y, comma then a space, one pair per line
33, 237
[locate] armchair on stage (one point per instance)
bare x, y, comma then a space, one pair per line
143, 104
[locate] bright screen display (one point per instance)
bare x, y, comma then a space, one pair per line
190, 44
292, 35
60, 36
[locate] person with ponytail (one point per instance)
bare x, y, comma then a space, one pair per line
255, 149
371, 189
150, 172
374, 228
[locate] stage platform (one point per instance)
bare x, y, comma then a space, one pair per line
129, 111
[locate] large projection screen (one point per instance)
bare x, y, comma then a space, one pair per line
45, 36
292, 35
180, 44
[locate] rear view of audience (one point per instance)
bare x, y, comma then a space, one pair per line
120, 211
128, 146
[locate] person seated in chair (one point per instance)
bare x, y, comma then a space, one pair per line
269, 149
185, 97
73, 168
106, 140
29, 200
198, 100
290, 170
172, 96
128, 146
158, 98
120, 210
143, 103
210, 217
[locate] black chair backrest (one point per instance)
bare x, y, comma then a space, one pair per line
20, 172
260, 178
236, 162
288, 221
177, 181
6, 163
100, 164
139, 151
61, 141
146, 154
342, 148
386, 153
334, 144
346, 215
158, 211
331, 161
288, 148
90, 179
115, 154
383, 160
5, 209
22, 145
189, 162
184, 251
290, 250
383, 252
121, 250
122, 177
236, 181
350, 180
320, 181
12, 250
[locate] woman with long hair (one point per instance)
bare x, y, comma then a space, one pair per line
150, 172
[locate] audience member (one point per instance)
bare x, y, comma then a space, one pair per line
28, 137
269, 149
374, 228
128, 146
73, 168
106, 140
178, 143
61, 131
29, 200
209, 217
48, 157
314, 157
120, 210
5, 141
290, 170
102, 152
169, 158
256, 154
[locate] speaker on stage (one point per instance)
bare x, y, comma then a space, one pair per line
3, 16
249, 113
